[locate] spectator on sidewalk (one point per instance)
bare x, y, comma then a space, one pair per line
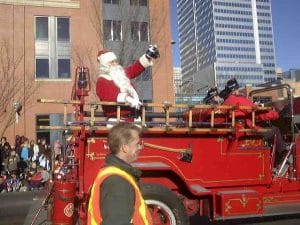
12, 162
13, 183
57, 149
25, 151
36, 151
18, 143
44, 161
39, 179
3, 187
5, 152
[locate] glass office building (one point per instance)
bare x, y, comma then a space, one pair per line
222, 39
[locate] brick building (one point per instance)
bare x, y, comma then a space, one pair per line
43, 42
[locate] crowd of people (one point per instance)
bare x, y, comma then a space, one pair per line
26, 164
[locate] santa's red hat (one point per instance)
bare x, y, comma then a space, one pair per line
105, 57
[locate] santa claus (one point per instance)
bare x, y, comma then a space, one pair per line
114, 85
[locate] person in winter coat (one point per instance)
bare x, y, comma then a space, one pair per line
12, 162
57, 148
3, 186
25, 151
44, 161
13, 183
115, 194
39, 179
35, 149
5, 153
114, 85
204, 115
233, 98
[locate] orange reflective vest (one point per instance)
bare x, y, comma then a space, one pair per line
141, 215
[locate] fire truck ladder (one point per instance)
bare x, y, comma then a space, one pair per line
168, 118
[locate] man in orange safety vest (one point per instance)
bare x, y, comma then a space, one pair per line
115, 195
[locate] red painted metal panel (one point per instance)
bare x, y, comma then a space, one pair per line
239, 202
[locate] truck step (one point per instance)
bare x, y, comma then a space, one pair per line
238, 203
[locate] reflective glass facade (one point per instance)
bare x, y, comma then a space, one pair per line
221, 39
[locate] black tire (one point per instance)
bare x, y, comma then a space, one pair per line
166, 208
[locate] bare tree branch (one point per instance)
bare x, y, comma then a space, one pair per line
126, 49
15, 86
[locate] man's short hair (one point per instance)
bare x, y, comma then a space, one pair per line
121, 134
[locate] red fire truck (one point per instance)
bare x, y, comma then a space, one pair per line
221, 169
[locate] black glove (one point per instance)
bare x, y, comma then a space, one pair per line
152, 52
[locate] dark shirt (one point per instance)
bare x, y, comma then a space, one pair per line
117, 194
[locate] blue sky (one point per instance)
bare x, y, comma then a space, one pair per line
286, 27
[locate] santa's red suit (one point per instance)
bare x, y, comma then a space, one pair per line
113, 84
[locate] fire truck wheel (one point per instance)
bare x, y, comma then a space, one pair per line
165, 207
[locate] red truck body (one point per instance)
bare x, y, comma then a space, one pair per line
220, 170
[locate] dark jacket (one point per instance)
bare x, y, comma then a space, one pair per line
117, 195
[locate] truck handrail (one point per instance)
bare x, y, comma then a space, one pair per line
167, 114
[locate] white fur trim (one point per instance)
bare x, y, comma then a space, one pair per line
145, 62
106, 77
122, 97
107, 57
112, 122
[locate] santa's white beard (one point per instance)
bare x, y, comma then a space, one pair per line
119, 77
117, 74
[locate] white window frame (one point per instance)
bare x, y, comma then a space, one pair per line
139, 34
112, 33
112, 2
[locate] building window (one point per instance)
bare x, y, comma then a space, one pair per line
64, 68
139, 2
42, 28
143, 2
43, 120
63, 31
134, 31
52, 48
115, 2
112, 30
42, 68
139, 31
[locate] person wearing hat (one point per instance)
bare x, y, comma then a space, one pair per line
204, 115
233, 98
212, 96
114, 85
